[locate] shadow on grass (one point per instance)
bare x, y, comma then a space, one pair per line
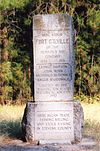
92, 129
11, 128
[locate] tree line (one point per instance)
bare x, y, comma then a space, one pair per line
16, 45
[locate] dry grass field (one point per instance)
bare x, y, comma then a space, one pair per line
92, 120
10, 121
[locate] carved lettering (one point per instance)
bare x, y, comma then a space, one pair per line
53, 71
54, 121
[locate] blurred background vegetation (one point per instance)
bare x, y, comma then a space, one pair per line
16, 46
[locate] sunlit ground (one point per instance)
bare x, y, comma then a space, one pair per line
92, 120
11, 116
10, 122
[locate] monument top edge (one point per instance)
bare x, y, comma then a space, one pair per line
56, 14
51, 21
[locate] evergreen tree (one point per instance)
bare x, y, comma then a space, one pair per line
16, 45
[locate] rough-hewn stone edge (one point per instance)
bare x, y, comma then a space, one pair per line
28, 122
78, 121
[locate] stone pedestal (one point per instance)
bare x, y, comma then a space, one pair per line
53, 122
53, 117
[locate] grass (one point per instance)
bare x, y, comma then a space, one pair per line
11, 116
92, 120
10, 122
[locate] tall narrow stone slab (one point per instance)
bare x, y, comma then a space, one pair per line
53, 117
53, 57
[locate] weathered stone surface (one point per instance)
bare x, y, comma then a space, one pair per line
54, 117
28, 122
53, 57
78, 121
53, 122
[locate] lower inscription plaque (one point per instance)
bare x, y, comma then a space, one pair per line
54, 120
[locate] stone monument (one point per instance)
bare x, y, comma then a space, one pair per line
54, 116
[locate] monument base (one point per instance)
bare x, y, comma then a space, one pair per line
53, 122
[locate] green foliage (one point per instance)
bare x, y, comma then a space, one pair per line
20, 84
88, 99
6, 75
5, 79
8, 4
16, 44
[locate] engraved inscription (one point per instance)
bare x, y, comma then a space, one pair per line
52, 46
53, 69
54, 121
54, 72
